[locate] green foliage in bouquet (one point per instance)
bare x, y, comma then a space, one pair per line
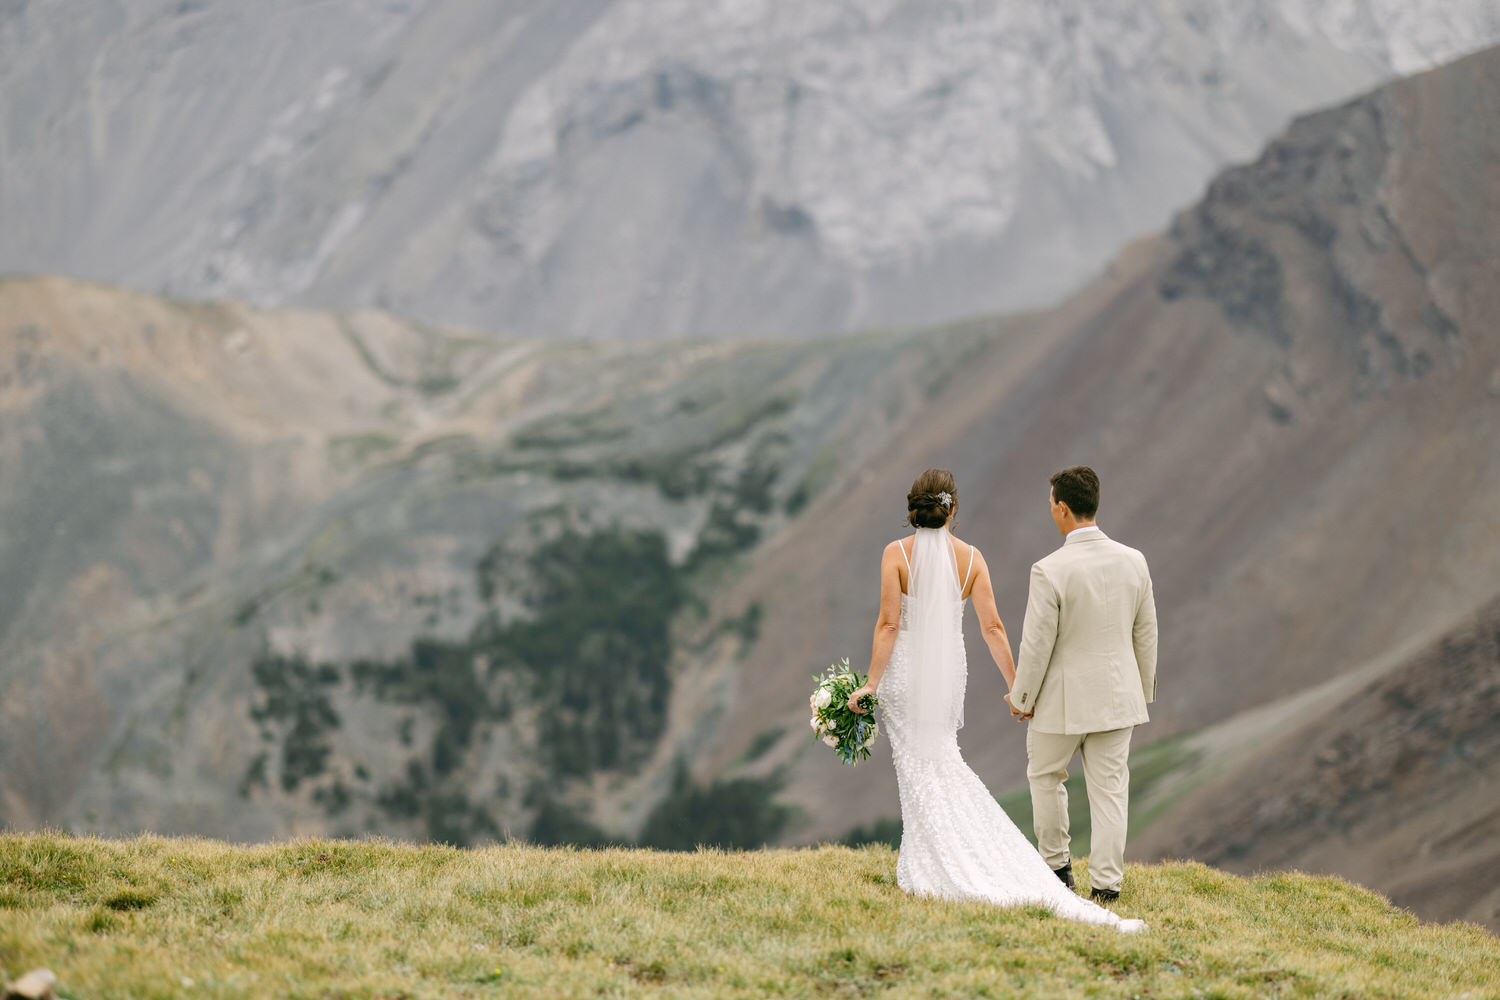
849, 733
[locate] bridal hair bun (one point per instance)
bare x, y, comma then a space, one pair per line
932, 499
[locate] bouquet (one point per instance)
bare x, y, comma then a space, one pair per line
849, 733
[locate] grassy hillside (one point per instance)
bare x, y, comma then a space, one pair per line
326, 919
380, 556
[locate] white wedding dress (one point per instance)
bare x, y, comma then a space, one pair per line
956, 841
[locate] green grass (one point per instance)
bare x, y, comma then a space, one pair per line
154, 917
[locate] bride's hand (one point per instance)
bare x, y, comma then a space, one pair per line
854, 699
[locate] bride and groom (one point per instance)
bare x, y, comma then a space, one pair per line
1087, 670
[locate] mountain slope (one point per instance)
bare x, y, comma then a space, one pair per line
269, 571
1291, 399
609, 168
1397, 785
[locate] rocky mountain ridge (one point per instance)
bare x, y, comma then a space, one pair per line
608, 168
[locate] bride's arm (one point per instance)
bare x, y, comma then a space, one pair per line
990, 624
887, 624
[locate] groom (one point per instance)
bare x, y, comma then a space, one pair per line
1086, 673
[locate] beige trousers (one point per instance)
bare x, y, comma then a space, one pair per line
1106, 774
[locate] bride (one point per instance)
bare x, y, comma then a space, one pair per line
956, 841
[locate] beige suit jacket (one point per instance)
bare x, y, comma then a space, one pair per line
1088, 643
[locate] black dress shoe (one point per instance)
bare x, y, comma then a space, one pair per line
1065, 873
1104, 895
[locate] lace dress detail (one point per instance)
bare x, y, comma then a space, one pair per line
956, 841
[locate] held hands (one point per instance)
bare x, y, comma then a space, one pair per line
854, 699
1016, 713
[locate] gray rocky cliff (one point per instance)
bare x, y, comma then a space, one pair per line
610, 168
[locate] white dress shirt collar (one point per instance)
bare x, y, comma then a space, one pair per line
1082, 528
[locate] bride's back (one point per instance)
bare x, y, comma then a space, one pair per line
963, 558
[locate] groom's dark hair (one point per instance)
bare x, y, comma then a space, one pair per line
1078, 487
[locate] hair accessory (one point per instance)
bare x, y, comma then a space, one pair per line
945, 498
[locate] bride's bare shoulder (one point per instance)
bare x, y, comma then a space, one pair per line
964, 549
896, 547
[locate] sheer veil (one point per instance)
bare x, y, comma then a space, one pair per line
936, 635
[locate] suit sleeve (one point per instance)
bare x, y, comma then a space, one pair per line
1038, 637
1143, 636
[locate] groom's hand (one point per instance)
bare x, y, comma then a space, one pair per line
1015, 713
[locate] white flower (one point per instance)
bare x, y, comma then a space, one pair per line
823, 698
830, 740
815, 722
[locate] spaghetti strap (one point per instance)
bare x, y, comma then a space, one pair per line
968, 572
907, 560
